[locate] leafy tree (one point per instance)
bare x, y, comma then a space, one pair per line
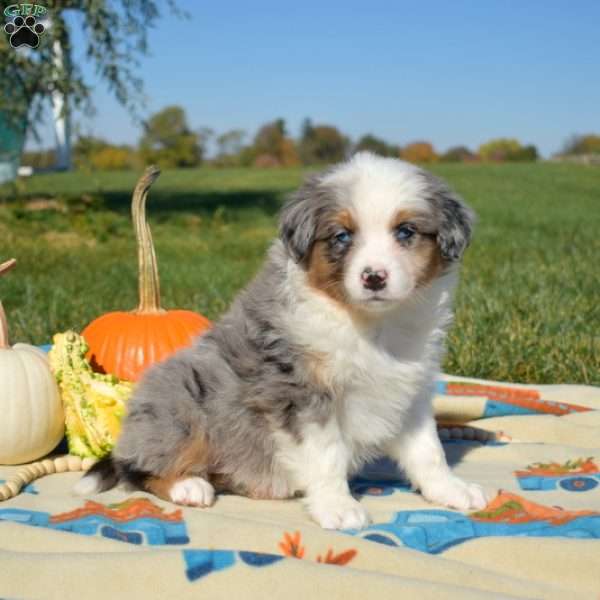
114, 158
269, 137
499, 149
419, 152
272, 147
115, 34
94, 153
229, 145
321, 144
168, 141
377, 145
247, 156
507, 149
582, 144
305, 143
230, 142
85, 147
458, 154
288, 155
527, 153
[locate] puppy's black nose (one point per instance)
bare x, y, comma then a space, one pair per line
374, 280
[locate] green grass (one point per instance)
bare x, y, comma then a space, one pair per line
527, 307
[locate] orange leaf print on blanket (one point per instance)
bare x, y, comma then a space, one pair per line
570, 467
511, 508
342, 558
291, 546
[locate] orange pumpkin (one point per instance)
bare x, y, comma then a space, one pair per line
127, 343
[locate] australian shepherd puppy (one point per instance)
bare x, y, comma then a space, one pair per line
325, 361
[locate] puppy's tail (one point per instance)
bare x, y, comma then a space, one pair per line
102, 476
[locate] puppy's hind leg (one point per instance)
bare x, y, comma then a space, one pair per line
185, 480
188, 491
164, 446
178, 484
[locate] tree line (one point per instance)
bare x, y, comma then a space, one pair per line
169, 141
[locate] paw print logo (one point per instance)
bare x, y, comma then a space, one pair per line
24, 32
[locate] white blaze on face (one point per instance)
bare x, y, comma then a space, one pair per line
375, 191
376, 249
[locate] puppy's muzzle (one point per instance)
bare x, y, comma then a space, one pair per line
374, 280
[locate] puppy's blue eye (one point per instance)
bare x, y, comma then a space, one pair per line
343, 237
404, 232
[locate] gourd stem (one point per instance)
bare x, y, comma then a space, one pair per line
149, 284
4, 268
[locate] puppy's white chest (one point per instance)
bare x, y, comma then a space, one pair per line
375, 399
368, 420
378, 378
375, 372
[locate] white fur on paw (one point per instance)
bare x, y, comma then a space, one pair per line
455, 493
194, 491
339, 512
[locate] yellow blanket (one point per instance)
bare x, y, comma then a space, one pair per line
539, 537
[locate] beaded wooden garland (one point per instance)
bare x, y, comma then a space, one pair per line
33, 471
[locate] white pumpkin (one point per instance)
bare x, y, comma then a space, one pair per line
31, 412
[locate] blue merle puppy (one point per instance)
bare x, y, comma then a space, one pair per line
325, 361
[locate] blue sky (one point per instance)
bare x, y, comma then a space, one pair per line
451, 72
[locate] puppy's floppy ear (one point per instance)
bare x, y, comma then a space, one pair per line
456, 219
299, 218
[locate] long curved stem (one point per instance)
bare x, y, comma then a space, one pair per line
4, 268
149, 284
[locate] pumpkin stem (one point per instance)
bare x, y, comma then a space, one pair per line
4, 268
149, 284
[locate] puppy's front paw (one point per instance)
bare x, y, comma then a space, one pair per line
339, 512
193, 491
455, 493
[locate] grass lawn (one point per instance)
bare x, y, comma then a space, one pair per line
528, 307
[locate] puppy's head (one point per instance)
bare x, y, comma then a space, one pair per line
372, 231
